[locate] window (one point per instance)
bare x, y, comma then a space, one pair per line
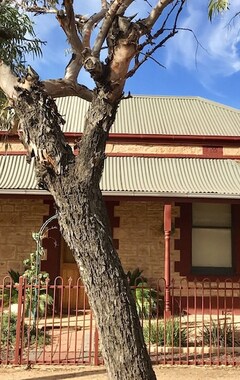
197, 259
211, 239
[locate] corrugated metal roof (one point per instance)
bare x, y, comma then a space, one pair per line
140, 176
160, 115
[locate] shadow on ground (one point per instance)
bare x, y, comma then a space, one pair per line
68, 375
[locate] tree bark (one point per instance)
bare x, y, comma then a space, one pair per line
74, 184
82, 217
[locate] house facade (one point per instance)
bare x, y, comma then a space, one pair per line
171, 185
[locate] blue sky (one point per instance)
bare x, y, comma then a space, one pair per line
212, 72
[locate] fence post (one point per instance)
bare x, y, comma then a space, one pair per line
167, 234
18, 344
96, 347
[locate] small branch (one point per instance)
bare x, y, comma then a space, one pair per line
68, 24
156, 13
104, 4
39, 10
111, 13
87, 28
73, 68
232, 18
149, 55
151, 39
124, 7
172, 32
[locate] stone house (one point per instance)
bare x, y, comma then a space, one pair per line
171, 186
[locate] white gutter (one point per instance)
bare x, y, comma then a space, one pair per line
133, 193
23, 192
130, 193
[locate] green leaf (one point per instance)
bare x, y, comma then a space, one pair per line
217, 6
17, 36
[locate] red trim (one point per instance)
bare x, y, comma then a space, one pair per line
13, 153
171, 137
184, 222
237, 157
167, 217
26, 196
167, 273
236, 237
156, 138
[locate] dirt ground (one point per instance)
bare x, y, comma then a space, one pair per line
99, 373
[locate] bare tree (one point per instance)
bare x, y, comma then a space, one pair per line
126, 42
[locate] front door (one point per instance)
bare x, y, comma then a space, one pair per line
75, 296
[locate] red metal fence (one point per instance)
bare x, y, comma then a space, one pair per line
52, 323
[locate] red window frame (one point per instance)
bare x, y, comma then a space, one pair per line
184, 244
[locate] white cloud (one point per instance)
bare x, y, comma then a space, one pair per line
221, 42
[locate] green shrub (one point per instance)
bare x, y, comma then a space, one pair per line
155, 332
219, 334
135, 277
8, 325
8, 329
148, 301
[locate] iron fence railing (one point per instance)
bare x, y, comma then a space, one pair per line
52, 323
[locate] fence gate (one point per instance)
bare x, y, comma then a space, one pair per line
44, 324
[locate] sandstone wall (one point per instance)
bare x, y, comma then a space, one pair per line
18, 219
141, 237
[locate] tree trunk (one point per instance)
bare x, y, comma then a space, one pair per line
74, 184
84, 225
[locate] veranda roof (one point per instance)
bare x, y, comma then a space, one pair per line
159, 115
140, 176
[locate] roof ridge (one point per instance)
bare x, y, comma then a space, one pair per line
186, 97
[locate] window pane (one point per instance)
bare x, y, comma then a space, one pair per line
211, 247
211, 215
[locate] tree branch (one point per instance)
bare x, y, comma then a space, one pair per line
8, 81
61, 87
104, 4
112, 11
124, 7
151, 38
149, 54
156, 13
68, 24
87, 28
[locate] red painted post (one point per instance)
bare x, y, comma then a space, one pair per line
167, 233
19, 322
96, 347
